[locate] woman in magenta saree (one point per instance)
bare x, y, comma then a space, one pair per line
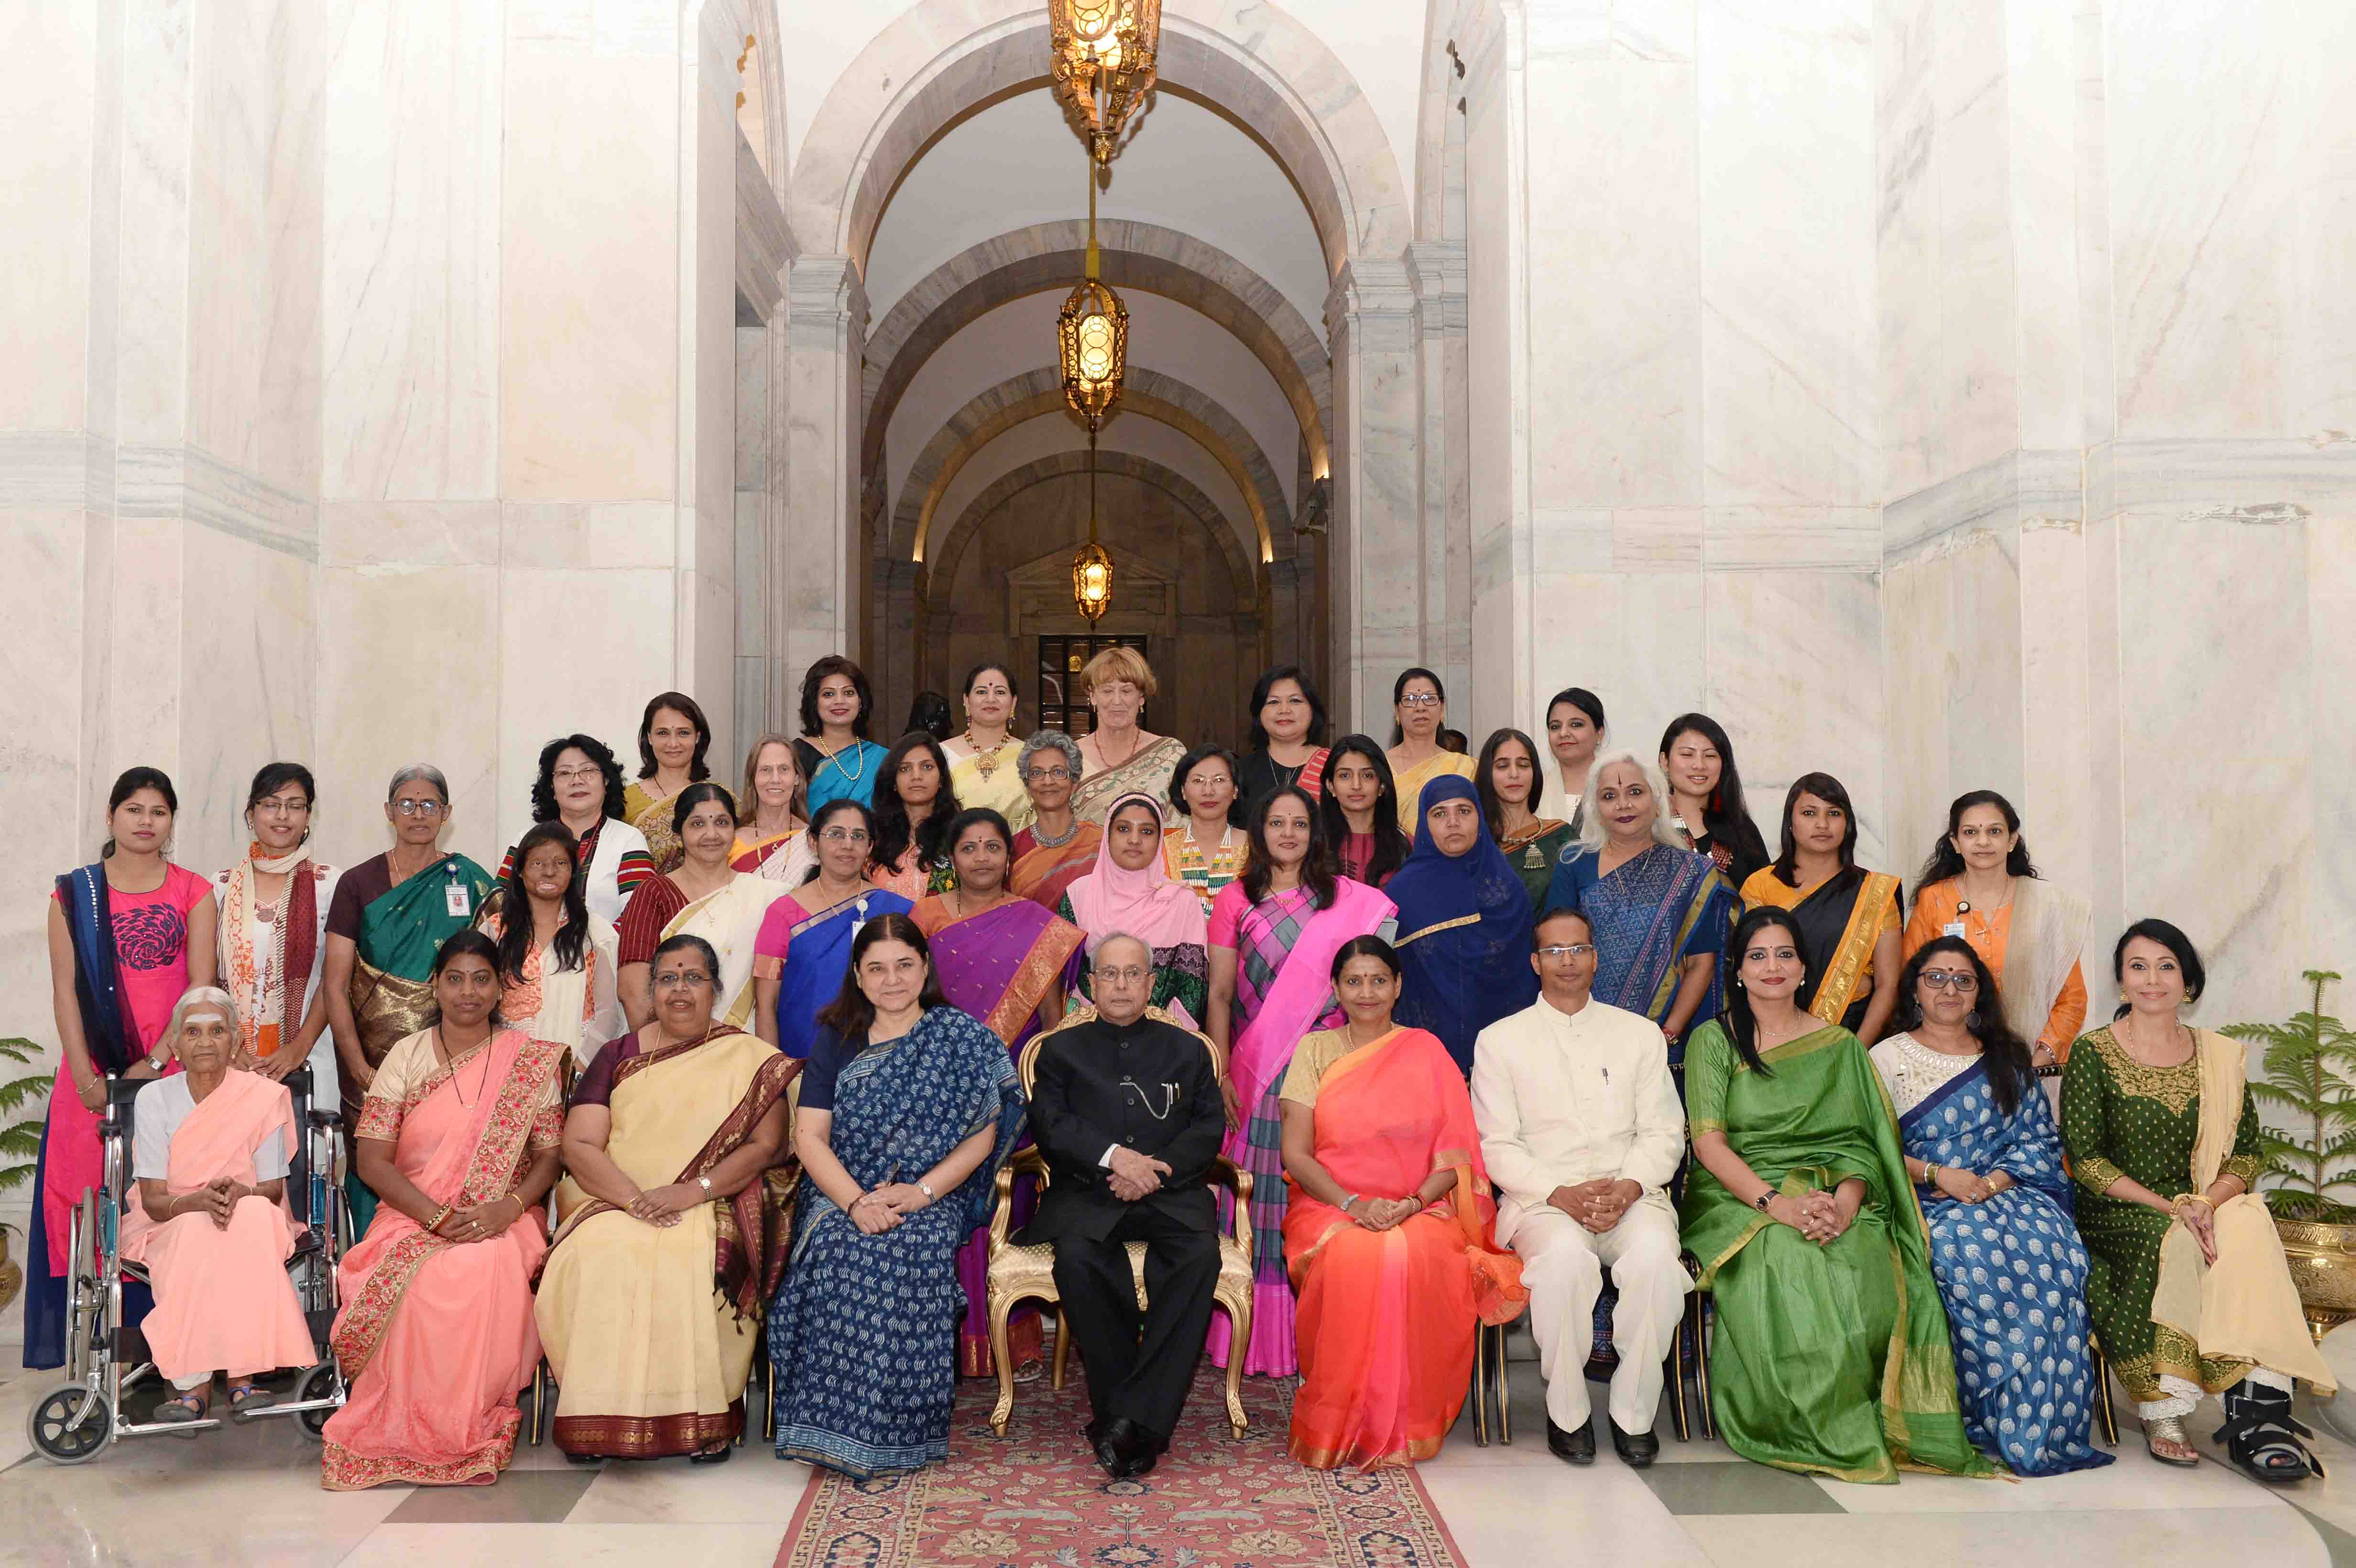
1002, 959
459, 1139
1274, 933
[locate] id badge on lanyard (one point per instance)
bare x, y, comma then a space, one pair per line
456, 898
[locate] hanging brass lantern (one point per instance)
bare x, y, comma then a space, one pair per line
1104, 56
1092, 344
1092, 581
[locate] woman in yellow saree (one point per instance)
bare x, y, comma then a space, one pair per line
673, 736
1420, 707
1847, 915
672, 1233
703, 897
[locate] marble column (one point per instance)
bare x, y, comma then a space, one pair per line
1438, 273
1377, 548
827, 325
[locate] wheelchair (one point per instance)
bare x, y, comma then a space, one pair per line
79, 1419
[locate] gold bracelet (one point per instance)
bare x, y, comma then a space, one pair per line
2192, 1198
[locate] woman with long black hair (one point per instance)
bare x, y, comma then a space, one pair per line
1359, 807
1706, 802
1831, 1354
1848, 915
913, 804
1986, 1156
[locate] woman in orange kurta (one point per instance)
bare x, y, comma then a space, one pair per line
211, 1148
1980, 884
1389, 1232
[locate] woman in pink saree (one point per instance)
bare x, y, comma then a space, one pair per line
459, 1139
210, 1149
1390, 1233
1274, 932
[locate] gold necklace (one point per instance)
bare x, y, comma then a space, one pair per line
985, 763
1136, 744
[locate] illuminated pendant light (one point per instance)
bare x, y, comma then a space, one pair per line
1092, 337
1104, 53
1092, 567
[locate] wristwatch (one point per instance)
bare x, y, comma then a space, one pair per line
160, 1061
704, 1182
1763, 1199
927, 1188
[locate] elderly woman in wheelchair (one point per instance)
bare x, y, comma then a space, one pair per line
211, 1151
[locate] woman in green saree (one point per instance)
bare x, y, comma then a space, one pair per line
389, 918
1831, 1353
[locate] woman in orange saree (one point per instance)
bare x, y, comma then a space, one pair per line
459, 1139
1388, 1232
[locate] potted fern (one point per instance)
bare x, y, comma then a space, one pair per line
2309, 1085
20, 1143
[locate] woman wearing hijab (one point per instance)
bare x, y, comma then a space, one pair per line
1131, 892
1463, 922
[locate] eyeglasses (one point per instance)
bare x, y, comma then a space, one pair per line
1419, 699
1131, 974
1049, 775
1942, 979
844, 836
1212, 781
683, 980
575, 776
418, 807
276, 806
1576, 950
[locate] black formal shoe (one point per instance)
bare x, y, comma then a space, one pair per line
1126, 1448
1093, 1431
1639, 1449
1575, 1447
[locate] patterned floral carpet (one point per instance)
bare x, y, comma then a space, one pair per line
1038, 1497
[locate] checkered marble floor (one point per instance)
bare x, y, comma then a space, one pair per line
250, 1495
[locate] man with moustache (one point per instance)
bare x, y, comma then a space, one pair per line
1582, 1131
1126, 1110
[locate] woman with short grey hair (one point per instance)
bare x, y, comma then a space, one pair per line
1058, 848
389, 916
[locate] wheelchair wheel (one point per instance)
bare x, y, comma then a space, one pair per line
55, 1435
319, 1383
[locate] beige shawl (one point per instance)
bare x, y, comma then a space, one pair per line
2047, 934
2244, 1308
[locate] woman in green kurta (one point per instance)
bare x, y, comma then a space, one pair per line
1831, 1353
2189, 1293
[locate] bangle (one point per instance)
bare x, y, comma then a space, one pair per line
1347, 1201
435, 1222
2192, 1198
1930, 1176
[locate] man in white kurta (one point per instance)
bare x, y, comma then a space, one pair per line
1581, 1130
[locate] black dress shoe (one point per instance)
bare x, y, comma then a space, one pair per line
1093, 1431
1639, 1449
1127, 1449
1576, 1448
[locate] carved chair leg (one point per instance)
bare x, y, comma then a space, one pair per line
999, 1306
1240, 1323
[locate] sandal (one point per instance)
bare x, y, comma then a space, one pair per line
194, 1406
246, 1396
2262, 1436
712, 1455
2169, 1429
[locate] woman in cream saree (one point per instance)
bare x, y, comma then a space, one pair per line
703, 897
460, 1132
673, 1228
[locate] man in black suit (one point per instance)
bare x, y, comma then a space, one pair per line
1126, 1110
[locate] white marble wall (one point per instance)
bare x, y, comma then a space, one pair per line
2116, 256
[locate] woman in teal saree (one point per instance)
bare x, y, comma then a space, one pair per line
1831, 1353
390, 915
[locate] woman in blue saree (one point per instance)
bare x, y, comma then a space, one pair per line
1463, 922
1986, 1156
1659, 910
804, 946
908, 1107
838, 761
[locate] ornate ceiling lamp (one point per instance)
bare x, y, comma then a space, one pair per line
1104, 60
1092, 350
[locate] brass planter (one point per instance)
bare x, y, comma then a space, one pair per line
2323, 1265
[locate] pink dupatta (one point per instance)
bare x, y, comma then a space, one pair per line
1297, 998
